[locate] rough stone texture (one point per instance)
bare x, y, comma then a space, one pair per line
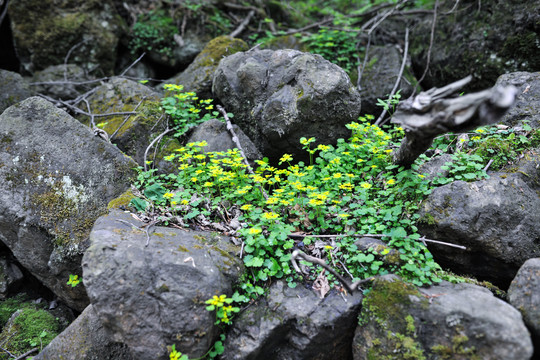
278, 97
134, 135
294, 324
432, 168
151, 297
527, 105
11, 276
65, 77
483, 39
379, 77
447, 321
215, 133
524, 295
56, 178
198, 76
85, 338
12, 89
46, 30
496, 219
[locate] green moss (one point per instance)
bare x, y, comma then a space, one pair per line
182, 248
121, 201
457, 350
427, 218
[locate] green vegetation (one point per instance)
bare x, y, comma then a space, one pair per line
32, 327
153, 32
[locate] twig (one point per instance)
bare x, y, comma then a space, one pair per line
350, 287
127, 117
4, 12
488, 164
157, 139
431, 37
237, 143
69, 54
398, 80
132, 64
375, 236
243, 24
20, 357
145, 228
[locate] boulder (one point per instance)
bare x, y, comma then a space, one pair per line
132, 134
280, 96
198, 75
496, 219
527, 105
11, 276
56, 179
294, 324
49, 31
218, 138
481, 39
63, 81
524, 295
85, 338
151, 297
445, 321
380, 75
13, 89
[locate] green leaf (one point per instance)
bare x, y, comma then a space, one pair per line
139, 204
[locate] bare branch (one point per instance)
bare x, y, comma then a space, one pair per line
431, 37
243, 24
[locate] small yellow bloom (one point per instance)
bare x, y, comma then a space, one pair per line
344, 215
168, 195
285, 157
328, 247
246, 207
255, 231
366, 185
391, 182
194, 179
208, 184
337, 175
184, 202
270, 216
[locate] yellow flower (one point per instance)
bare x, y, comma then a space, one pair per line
168, 195
421, 176
194, 179
391, 182
285, 157
366, 185
183, 167
255, 231
272, 200
337, 175
184, 202
344, 215
208, 184
270, 216
169, 157
480, 131
246, 207
373, 166
328, 247
323, 147
475, 138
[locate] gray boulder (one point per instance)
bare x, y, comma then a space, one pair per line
11, 276
496, 219
45, 32
380, 75
85, 338
63, 81
484, 39
152, 296
446, 321
215, 133
524, 295
527, 105
13, 89
278, 97
132, 134
56, 178
294, 324
198, 75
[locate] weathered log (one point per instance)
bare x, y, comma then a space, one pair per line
435, 112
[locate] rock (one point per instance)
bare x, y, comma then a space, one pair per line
496, 219
278, 97
446, 321
65, 78
527, 105
215, 133
85, 338
132, 134
294, 324
432, 168
198, 76
12, 89
285, 42
484, 40
524, 295
56, 178
45, 32
379, 78
152, 296
11, 276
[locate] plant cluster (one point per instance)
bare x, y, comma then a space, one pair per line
153, 32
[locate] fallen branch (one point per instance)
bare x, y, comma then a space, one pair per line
351, 287
243, 24
434, 112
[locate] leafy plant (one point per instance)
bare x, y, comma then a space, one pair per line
390, 104
153, 32
73, 280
